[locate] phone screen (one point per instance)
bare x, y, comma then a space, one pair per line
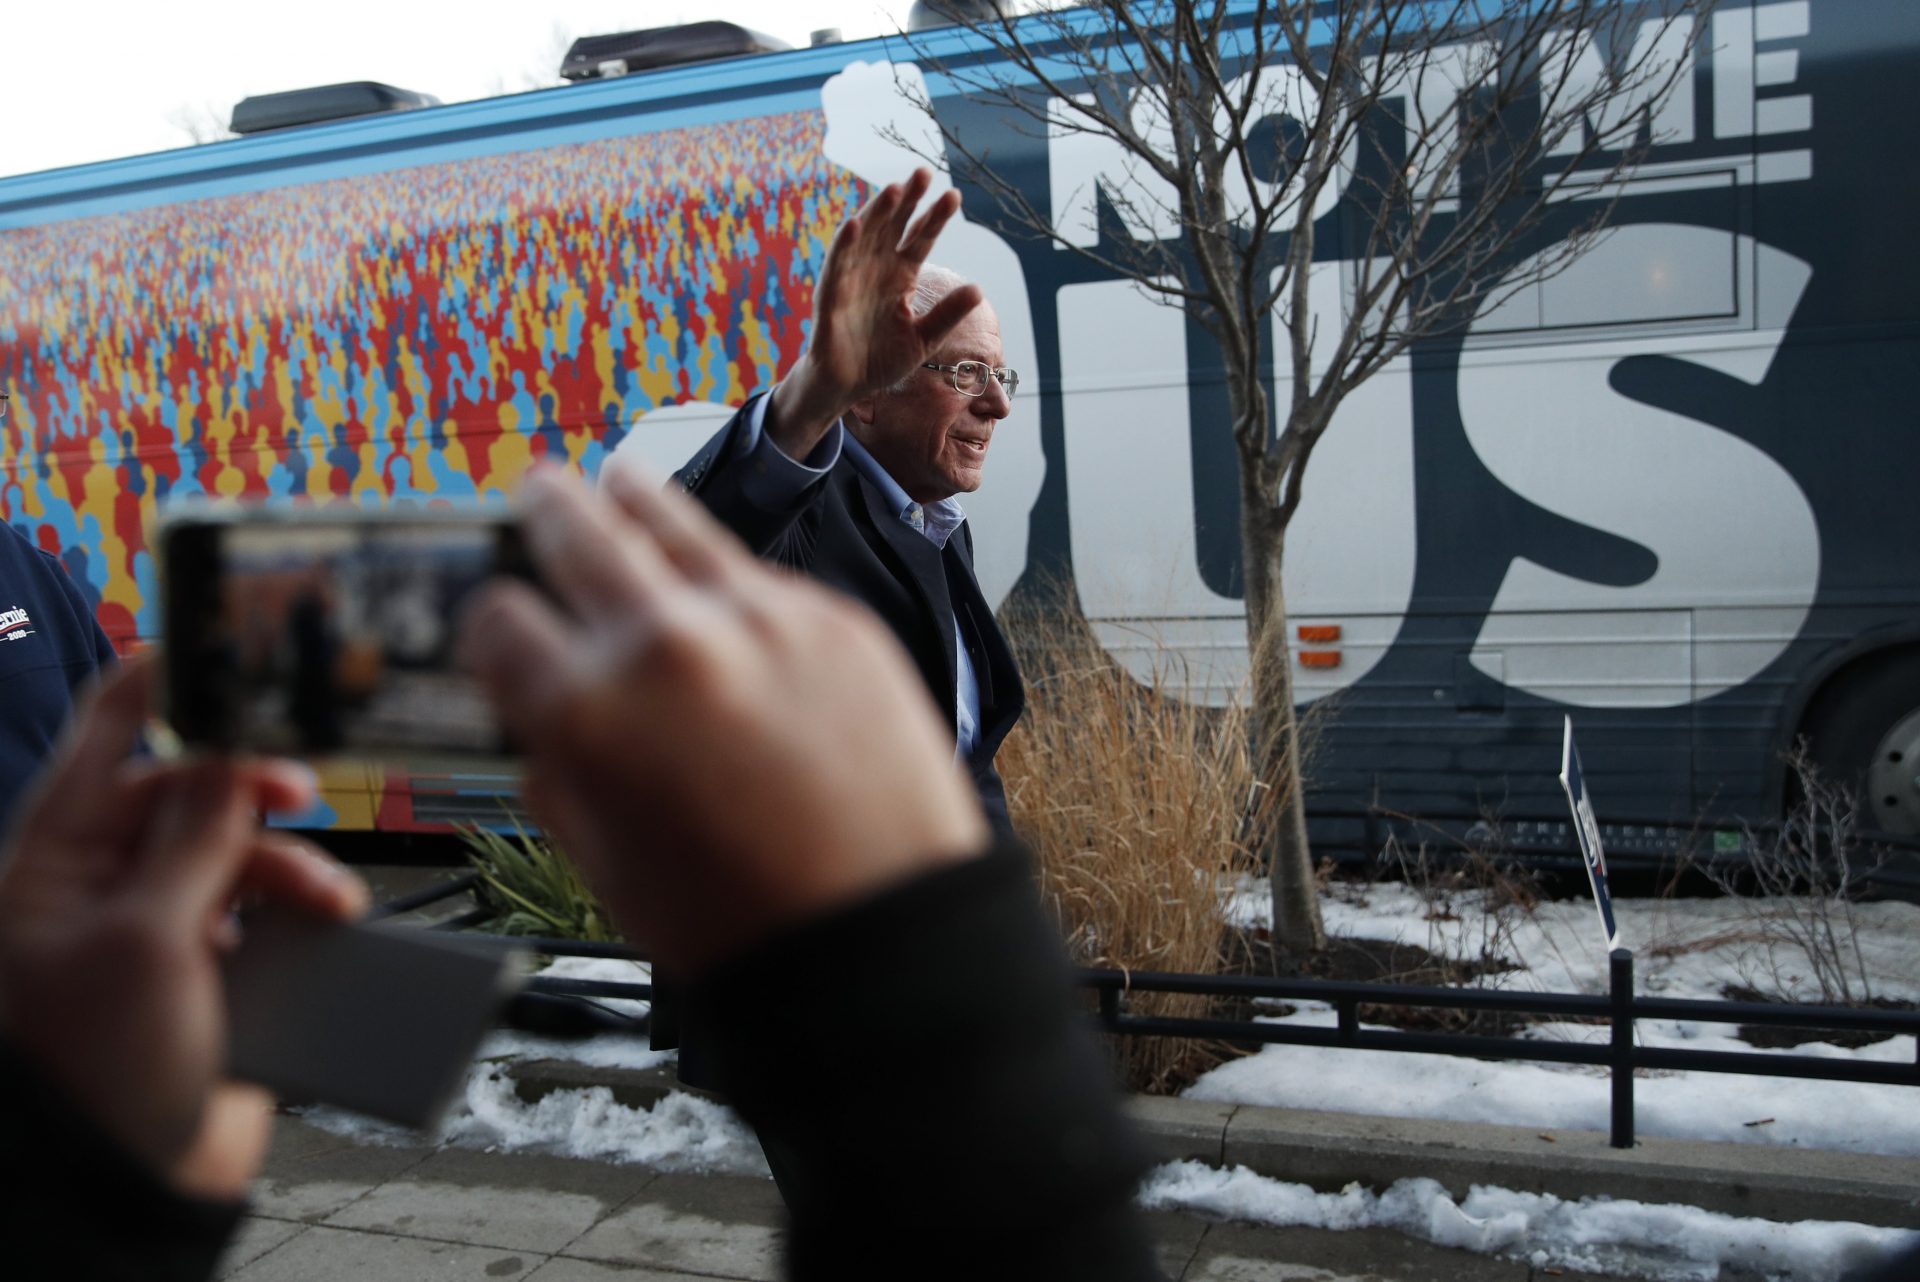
319, 635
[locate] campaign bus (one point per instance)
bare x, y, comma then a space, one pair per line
1669, 491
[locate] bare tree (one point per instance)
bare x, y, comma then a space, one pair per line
1437, 137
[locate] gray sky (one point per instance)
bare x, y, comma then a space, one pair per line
86, 80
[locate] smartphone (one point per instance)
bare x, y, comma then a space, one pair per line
381, 1019
329, 631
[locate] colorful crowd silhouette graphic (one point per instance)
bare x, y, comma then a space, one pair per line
411, 336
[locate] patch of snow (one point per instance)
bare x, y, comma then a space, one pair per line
1624, 1238
603, 1050
1854, 1116
1686, 948
681, 1133
1681, 947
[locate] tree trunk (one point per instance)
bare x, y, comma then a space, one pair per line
1297, 927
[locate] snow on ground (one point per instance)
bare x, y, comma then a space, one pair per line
681, 1133
1683, 948
1689, 948
607, 1050
1624, 1238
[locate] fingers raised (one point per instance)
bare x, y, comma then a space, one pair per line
909, 194
941, 319
917, 241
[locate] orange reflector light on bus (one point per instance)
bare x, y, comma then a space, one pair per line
1321, 632
1319, 658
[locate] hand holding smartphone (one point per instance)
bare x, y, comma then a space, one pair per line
321, 631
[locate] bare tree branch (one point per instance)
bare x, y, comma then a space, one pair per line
1361, 175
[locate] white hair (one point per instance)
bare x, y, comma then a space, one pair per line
934, 284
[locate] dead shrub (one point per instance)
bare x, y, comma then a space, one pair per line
1798, 889
1476, 899
1142, 811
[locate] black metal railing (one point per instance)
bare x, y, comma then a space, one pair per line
1619, 1008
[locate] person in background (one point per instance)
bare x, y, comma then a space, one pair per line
667, 667
50, 645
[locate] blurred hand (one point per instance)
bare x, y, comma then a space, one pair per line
865, 335
723, 748
114, 909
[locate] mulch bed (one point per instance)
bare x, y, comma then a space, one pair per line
1772, 1037
1370, 961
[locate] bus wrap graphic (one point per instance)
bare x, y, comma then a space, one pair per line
1665, 488
419, 336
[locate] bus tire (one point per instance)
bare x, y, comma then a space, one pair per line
1863, 733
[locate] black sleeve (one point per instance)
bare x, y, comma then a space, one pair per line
942, 1109
719, 480
993, 798
75, 1194
1902, 1266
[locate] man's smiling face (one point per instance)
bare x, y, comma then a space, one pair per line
930, 438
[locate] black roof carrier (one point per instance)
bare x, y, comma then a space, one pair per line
928, 14
627, 51
264, 111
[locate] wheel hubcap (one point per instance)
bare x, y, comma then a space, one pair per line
1893, 779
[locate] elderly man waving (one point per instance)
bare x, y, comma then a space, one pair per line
849, 469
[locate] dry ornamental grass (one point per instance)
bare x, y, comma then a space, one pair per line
1142, 812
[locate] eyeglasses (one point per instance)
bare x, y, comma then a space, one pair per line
970, 377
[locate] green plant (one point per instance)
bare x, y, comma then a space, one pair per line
532, 888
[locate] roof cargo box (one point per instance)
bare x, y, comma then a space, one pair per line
629, 51
265, 111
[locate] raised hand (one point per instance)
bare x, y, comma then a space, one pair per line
865, 335
113, 914
723, 748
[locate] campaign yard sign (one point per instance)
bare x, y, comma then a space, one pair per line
1586, 830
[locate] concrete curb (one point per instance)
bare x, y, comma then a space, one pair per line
1328, 1151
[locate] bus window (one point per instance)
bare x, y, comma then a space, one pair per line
1650, 276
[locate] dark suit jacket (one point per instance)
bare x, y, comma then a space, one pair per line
843, 534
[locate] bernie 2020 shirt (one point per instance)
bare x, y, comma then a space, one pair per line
50, 644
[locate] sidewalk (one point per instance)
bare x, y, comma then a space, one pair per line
328, 1210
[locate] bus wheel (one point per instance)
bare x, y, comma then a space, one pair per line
1893, 778
1867, 738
